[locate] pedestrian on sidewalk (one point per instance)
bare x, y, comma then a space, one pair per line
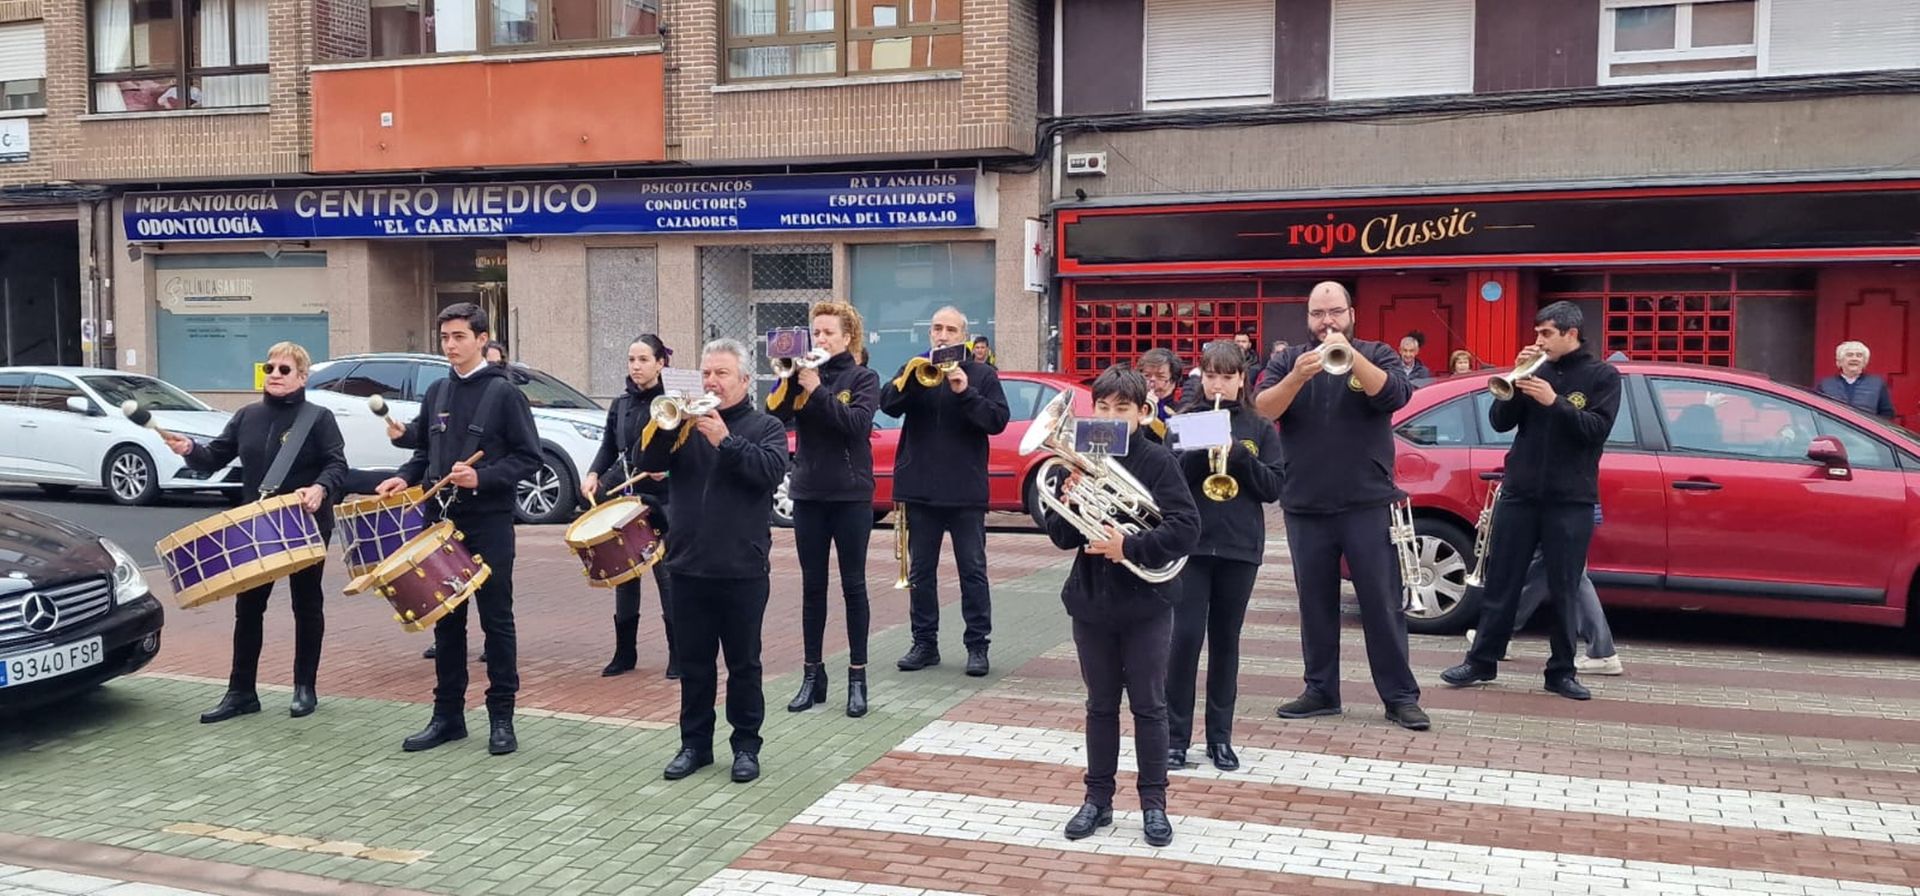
619, 441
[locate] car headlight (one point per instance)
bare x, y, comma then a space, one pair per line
128, 583
589, 431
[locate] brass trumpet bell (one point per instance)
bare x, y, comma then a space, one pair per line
927, 374
673, 409
786, 367
1219, 486
1503, 385
1336, 358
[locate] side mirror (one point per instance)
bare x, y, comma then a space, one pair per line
80, 406
1830, 453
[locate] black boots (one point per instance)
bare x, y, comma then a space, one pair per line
625, 655
231, 705
500, 736
856, 692
813, 688
440, 729
304, 701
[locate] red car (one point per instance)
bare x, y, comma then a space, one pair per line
1009, 476
1720, 490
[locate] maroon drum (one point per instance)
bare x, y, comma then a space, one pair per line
427, 578
615, 542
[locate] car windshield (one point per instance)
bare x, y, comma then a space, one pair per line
544, 391
152, 394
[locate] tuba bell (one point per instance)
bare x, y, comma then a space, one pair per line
672, 409
1502, 385
1105, 495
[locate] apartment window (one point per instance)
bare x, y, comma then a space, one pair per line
423, 27
158, 55
1647, 40
817, 38
1208, 53
1387, 48
23, 67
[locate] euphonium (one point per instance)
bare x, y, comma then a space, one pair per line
1105, 495
1502, 386
1336, 358
1218, 485
672, 409
1483, 539
900, 544
785, 367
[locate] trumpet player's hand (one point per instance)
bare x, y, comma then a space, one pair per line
394, 429
1307, 366
808, 378
590, 486
1109, 547
957, 379
389, 486
311, 496
711, 426
1537, 389
1526, 356
464, 475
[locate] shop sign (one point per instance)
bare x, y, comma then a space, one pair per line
14, 139
890, 200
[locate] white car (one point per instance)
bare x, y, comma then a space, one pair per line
61, 428
570, 423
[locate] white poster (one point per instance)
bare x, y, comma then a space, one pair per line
14, 139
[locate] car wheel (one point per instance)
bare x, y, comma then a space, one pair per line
1034, 509
129, 476
1442, 602
783, 502
56, 489
547, 497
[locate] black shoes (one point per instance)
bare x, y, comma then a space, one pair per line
813, 688
856, 692
1570, 688
1306, 706
1469, 673
1409, 716
625, 654
673, 665
1176, 758
977, 661
746, 767
231, 705
1223, 757
686, 762
429, 653
304, 700
1090, 818
500, 739
1158, 829
919, 657
439, 730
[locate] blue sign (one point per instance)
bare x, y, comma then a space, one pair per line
886, 200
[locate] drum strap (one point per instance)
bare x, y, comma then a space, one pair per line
442, 452
289, 447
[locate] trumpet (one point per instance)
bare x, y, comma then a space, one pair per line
786, 367
672, 409
1483, 539
1401, 532
900, 544
1336, 358
1502, 386
928, 374
1106, 494
1218, 485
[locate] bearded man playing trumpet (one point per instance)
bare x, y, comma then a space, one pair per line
940, 481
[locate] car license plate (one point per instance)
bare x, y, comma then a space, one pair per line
26, 668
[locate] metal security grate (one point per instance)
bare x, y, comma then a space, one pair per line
1688, 328
1107, 333
747, 290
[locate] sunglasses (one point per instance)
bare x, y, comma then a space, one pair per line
283, 369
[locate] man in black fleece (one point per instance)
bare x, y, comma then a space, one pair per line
940, 476
1337, 432
476, 409
1122, 624
1564, 413
255, 434
722, 470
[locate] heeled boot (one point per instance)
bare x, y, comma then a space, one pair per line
856, 693
813, 688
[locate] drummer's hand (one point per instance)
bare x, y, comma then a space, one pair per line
311, 497
389, 486
590, 486
180, 445
464, 476
714, 428
394, 429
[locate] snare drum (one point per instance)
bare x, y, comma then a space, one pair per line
615, 542
235, 550
372, 528
427, 578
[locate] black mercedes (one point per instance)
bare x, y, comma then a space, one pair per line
74, 610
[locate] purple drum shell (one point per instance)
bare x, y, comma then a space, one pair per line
372, 537
262, 535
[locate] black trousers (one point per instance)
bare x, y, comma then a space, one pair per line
1317, 542
1212, 608
1130, 655
309, 627
710, 615
846, 527
1561, 531
626, 599
926, 526
491, 536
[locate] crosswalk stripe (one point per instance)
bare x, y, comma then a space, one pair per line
733, 880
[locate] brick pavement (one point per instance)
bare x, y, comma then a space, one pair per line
1709, 768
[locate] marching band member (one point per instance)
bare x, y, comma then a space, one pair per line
1218, 579
940, 476
832, 408
1165, 388
261, 435
723, 467
1122, 623
1337, 432
625, 419
1564, 413
476, 409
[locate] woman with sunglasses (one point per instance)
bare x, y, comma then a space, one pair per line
256, 435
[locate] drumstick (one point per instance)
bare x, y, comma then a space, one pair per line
377, 405
449, 477
142, 417
636, 478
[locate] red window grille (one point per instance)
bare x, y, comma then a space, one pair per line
1677, 316
1111, 323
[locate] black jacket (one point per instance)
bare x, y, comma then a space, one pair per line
510, 442
1237, 529
942, 458
1338, 439
1100, 590
1556, 455
833, 460
720, 499
626, 417
254, 434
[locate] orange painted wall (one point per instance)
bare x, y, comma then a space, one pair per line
490, 114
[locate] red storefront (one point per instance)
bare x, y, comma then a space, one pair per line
1764, 277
